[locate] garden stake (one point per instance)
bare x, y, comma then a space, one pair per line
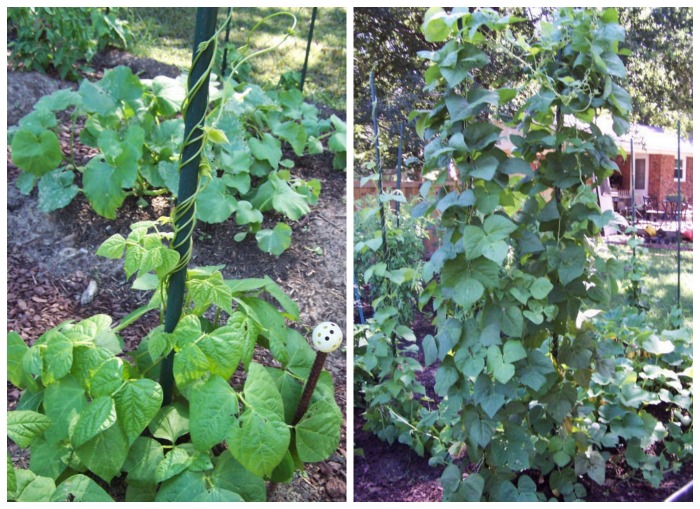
228, 31
378, 160
195, 110
358, 300
632, 170
397, 205
678, 236
326, 337
308, 49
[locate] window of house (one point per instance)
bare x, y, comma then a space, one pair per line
682, 170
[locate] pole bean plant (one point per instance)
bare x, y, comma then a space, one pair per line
63, 40
134, 127
89, 411
536, 387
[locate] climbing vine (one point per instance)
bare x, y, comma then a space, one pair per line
527, 379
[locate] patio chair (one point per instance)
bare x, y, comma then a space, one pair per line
650, 209
671, 210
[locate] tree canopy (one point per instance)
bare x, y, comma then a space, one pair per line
388, 39
660, 66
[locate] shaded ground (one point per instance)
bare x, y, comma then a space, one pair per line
391, 473
51, 261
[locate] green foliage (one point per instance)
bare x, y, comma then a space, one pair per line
657, 52
89, 406
137, 131
388, 278
386, 364
514, 262
529, 379
337, 143
29, 487
642, 391
396, 405
63, 40
97, 407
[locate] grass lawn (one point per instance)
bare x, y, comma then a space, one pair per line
660, 285
167, 34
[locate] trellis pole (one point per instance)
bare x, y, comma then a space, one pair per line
635, 283
358, 301
308, 48
378, 161
195, 111
632, 170
678, 236
397, 205
228, 32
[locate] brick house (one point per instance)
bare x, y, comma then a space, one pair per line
655, 158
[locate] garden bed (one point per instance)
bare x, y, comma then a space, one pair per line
396, 473
52, 262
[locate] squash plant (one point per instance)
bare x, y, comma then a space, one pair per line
88, 410
519, 268
135, 126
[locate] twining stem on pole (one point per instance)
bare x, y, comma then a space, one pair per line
378, 161
195, 111
308, 48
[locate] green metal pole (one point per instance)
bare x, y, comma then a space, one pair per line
632, 169
189, 178
678, 237
378, 161
225, 55
397, 205
308, 48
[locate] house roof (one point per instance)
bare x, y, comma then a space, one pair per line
653, 140
647, 139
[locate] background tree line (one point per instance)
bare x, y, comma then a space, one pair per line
388, 39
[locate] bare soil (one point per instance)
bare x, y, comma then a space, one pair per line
51, 261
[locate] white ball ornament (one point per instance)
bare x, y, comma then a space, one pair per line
327, 337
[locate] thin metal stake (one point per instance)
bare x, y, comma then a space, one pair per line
228, 31
632, 170
678, 237
397, 205
378, 161
308, 48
